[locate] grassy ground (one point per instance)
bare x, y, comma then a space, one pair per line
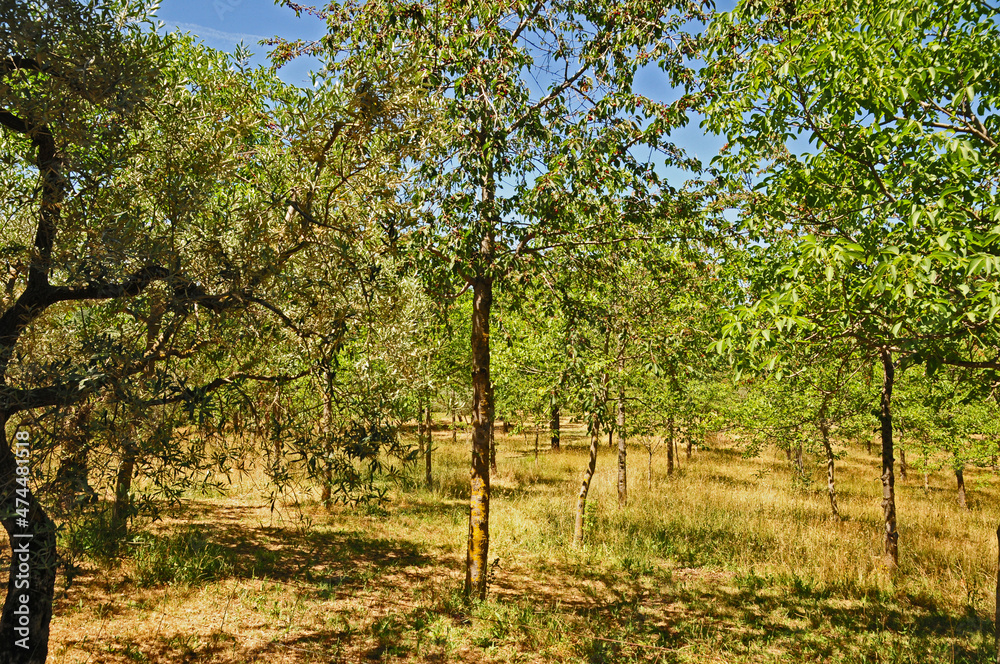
725, 561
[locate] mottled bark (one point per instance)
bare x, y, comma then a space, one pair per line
888, 477
554, 426
482, 421
588, 476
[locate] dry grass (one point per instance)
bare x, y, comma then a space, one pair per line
723, 562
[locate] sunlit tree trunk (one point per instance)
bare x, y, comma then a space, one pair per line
831, 485
588, 476
622, 449
888, 478
902, 463
482, 421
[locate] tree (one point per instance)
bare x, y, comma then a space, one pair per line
859, 142
534, 148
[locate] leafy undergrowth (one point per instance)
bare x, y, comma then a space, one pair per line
722, 562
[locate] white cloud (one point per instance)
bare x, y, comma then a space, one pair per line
218, 36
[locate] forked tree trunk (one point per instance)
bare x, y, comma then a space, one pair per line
588, 476
831, 485
622, 450
27, 609
482, 420
554, 425
427, 451
670, 446
888, 478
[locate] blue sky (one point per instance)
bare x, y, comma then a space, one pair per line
221, 24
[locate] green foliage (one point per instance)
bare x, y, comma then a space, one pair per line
184, 558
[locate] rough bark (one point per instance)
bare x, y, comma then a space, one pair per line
888, 477
831, 485
622, 450
27, 609
482, 421
554, 425
588, 476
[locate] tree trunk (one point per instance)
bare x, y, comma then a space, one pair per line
670, 446
622, 450
536, 441
493, 449
649, 469
122, 510
427, 451
482, 422
888, 478
902, 463
27, 609
420, 429
326, 497
554, 425
454, 427
72, 476
960, 476
996, 616
831, 486
588, 475
690, 443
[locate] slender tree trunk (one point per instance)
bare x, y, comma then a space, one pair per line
421, 432
996, 616
902, 463
326, 497
690, 443
27, 609
454, 427
649, 469
588, 475
536, 441
960, 476
482, 422
493, 450
888, 478
831, 485
427, 451
72, 477
927, 486
622, 449
554, 425
670, 446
